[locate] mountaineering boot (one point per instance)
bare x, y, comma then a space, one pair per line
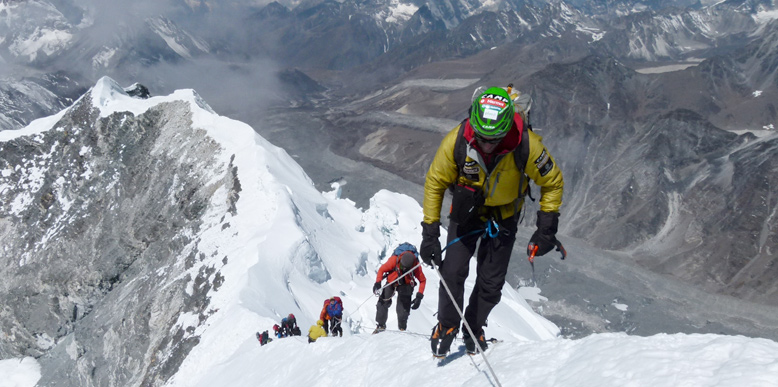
482, 342
470, 343
441, 340
379, 328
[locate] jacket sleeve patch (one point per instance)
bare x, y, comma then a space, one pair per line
544, 163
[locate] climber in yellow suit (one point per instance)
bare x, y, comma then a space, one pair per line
488, 194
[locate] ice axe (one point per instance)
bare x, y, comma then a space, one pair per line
533, 248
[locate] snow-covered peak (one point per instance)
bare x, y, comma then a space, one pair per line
765, 16
109, 97
398, 12
107, 92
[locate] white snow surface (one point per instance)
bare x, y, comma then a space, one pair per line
666, 68
290, 247
43, 40
765, 16
21, 372
398, 12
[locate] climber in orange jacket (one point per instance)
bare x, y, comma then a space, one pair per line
398, 264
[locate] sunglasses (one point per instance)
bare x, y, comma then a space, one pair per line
488, 140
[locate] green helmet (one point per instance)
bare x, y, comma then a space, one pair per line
491, 115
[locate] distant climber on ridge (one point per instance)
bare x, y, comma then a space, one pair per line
404, 260
263, 338
316, 331
332, 314
289, 326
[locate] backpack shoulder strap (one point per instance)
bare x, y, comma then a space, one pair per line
460, 147
521, 153
520, 157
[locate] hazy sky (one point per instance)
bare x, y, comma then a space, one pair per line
239, 90
231, 78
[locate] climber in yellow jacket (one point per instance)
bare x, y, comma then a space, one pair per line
316, 331
485, 161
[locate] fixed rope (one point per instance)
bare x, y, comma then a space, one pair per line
378, 292
491, 231
469, 330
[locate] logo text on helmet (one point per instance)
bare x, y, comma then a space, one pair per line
494, 101
495, 96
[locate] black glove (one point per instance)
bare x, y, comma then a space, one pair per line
545, 236
430, 244
417, 301
376, 288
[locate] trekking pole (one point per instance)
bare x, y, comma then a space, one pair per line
467, 326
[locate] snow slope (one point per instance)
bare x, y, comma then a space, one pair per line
289, 247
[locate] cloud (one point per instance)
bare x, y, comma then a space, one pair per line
4, 68
108, 19
231, 78
239, 90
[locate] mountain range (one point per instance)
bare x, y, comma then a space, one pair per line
674, 168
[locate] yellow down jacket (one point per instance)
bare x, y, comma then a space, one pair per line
500, 187
316, 331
